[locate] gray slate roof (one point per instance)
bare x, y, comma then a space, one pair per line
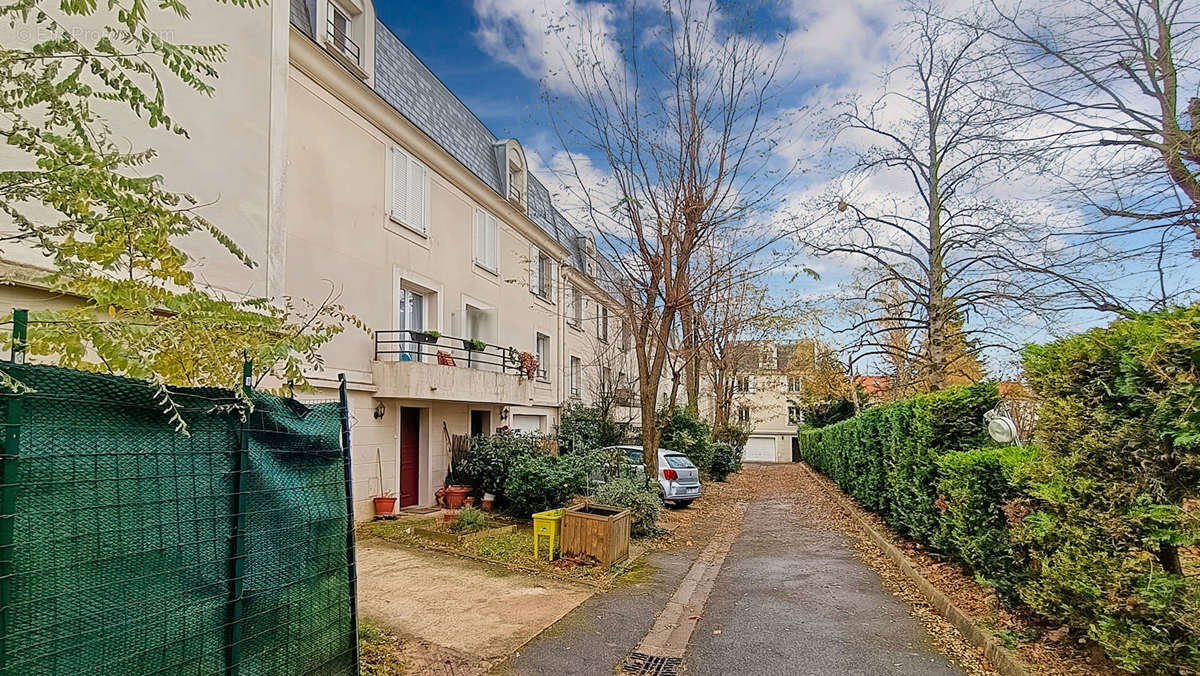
413, 90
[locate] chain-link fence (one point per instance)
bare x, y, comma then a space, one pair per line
128, 547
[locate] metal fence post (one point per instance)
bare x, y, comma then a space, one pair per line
14, 409
351, 555
237, 560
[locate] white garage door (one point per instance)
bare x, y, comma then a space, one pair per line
528, 423
759, 449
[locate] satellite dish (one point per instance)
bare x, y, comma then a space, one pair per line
1001, 428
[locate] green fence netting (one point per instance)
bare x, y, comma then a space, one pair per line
127, 547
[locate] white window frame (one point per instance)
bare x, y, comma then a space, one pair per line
543, 273
413, 218
575, 318
743, 410
797, 418
796, 381
575, 376
543, 355
485, 239
602, 324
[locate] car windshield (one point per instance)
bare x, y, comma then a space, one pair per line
678, 461
636, 457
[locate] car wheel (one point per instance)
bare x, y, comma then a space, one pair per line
680, 504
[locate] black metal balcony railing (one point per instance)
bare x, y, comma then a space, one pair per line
419, 346
342, 41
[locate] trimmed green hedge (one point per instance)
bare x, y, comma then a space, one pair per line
1092, 526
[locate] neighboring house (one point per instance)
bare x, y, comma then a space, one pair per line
333, 154
875, 387
767, 401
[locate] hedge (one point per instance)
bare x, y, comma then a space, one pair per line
1093, 524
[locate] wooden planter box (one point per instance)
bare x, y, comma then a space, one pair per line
598, 531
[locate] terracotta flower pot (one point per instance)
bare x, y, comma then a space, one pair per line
456, 496
384, 506
489, 501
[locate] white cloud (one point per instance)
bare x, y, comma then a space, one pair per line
542, 38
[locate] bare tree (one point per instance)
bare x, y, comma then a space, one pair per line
936, 249
1112, 88
730, 328
682, 125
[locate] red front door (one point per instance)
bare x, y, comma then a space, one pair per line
410, 453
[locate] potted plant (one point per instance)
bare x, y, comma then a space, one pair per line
474, 344
426, 336
454, 491
529, 365
385, 502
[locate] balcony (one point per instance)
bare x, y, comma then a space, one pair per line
417, 365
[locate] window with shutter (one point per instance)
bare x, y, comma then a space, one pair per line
409, 192
486, 239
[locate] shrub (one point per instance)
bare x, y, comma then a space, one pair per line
491, 458
686, 433
540, 482
980, 490
726, 460
469, 520
586, 428
826, 413
734, 435
638, 497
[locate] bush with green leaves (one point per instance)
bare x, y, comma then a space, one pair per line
825, 413
540, 482
470, 520
726, 459
583, 428
733, 434
1090, 526
487, 465
685, 432
638, 496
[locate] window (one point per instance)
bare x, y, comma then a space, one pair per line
410, 180
624, 336
676, 461
795, 417
487, 245
543, 356
541, 274
576, 376
340, 28
575, 318
602, 324
412, 318
744, 414
793, 384
605, 381
743, 384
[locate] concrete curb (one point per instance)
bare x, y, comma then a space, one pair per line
1002, 658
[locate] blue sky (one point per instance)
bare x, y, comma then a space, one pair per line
442, 34
492, 54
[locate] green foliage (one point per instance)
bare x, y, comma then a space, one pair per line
687, 433
825, 413
470, 520
540, 482
491, 458
976, 488
1089, 526
726, 459
634, 494
733, 434
75, 193
587, 428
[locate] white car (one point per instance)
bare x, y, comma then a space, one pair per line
678, 477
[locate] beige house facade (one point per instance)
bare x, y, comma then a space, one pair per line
341, 163
766, 400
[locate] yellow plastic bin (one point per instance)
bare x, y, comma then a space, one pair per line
547, 525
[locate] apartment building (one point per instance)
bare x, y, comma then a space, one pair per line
766, 400
341, 159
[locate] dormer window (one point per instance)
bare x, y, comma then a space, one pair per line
346, 36
510, 160
340, 31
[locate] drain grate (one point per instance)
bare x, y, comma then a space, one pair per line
652, 665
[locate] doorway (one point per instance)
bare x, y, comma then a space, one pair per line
481, 423
410, 455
